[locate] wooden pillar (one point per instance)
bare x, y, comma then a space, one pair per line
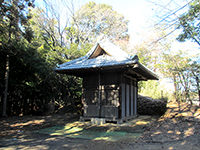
132, 98
99, 86
136, 96
123, 98
127, 98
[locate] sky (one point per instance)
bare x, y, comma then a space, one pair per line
141, 14
136, 11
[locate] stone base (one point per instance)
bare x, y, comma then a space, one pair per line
98, 121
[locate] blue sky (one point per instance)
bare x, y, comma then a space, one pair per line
140, 15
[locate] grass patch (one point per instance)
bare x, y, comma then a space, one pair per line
77, 132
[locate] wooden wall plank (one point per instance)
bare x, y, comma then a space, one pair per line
117, 95
127, 100
123, 107
135, 100
132, 100
91, 111
109, 112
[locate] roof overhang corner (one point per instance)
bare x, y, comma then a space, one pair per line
144, 72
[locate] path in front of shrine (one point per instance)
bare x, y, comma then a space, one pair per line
129, 132
83, 135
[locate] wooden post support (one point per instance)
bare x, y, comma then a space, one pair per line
99, 76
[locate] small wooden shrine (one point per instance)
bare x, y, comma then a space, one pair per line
110, 81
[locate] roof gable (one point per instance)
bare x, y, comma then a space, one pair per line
98, 51
107, 48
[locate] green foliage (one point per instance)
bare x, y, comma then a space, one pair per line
93, 20
33, 82
36, 45
183, 71
189, 22
76, 50
154, 90
14, 27
14, 22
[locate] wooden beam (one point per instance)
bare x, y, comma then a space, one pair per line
130, 77
99, 76
139, 75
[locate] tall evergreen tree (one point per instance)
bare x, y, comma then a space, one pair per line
14, 26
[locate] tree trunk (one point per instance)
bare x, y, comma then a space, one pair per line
4, 114
197, 80
176, 91
175, 88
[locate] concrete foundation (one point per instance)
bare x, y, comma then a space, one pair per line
98, 121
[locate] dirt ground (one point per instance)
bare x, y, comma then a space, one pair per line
178, 129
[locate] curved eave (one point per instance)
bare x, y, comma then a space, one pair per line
144, 72
90, 70
135, 69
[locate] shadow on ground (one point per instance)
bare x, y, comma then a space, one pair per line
129, 132
50, 132
178, 129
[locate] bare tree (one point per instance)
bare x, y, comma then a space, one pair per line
54, 19
168, 14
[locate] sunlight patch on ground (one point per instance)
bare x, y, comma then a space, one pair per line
177, 132
189, 132
50, 139
142, 122
186, 114
170, 132
197, 113
129, 131
38, 147
28, 123
183, 143
158, 132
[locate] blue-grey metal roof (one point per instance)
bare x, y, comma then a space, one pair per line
101, 61
114, 57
